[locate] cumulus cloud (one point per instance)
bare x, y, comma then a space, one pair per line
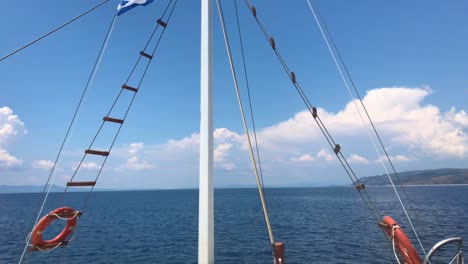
221, 151
397, 158
398, 113
135, 161
411, 129
11, 127
355, 158
89, 166
43, 164
322, 155
185, 143
304, 158
459, 118
7, 161
220, 155
325, 155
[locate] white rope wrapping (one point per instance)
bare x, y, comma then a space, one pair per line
75, 214
48, 250
395, 227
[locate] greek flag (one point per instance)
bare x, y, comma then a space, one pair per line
126, 5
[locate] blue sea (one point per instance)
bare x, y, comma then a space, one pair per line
318, 225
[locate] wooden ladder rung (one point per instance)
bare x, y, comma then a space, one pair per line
97, 152
79, 184
142, 53
124, 86
114, 120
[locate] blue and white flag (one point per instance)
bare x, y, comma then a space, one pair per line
126, 5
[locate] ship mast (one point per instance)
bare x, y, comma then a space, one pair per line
205, 210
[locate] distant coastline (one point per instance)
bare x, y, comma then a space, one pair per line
427, 178
446, 176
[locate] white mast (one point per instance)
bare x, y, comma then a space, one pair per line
205, 210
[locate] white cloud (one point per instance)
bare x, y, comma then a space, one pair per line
412, 130
7, 161
221, 152
135, 147
304, 158
93, 166
355, 158
324, 154
185, 143
459, 118
224, 134
398, 114
11, 127
396, 158
90, 166
43, 164
135, 162
401, 158
423, 128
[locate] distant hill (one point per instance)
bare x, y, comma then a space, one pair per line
422, 177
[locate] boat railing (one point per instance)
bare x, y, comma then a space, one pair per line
440, 244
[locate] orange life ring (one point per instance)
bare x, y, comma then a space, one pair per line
62, 212
402, 243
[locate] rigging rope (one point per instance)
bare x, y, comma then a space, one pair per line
316, 17
131, 102
313, 111
251, 152
53, 31
51, 178
142, 54
248, 94
129, 105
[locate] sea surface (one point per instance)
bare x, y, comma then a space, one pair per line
318, 225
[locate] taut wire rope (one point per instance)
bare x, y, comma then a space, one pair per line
53, 31
313, 111
248, 93
134, 96
50, 179
362, 118
244, 122
129, 105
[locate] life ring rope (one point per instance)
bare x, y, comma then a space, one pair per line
47, 250
63, 213
393, 243
400, 242
75, 214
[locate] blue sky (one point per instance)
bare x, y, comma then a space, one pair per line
408, 61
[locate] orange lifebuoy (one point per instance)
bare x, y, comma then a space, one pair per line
402, 243
63, 212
